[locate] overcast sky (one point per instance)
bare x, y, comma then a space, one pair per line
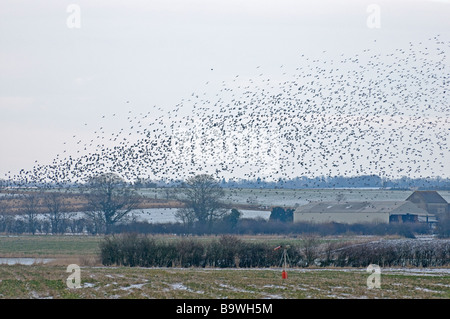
57, 81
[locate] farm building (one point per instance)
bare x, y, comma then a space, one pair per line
362, 212
431, 201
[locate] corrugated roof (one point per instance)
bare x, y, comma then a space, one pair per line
391, 207
428, 197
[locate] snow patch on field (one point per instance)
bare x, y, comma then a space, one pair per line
271, 296
35, 295
135, 286
181, 286
228, 287
417, 271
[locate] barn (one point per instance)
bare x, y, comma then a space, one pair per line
431, 201
362, 212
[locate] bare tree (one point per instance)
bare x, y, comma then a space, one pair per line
110, 199
31, 209
5, 218
310, 248
56, 207
186, 216
202, 197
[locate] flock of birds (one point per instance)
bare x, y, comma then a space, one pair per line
373, 113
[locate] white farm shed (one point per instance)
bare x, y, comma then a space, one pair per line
361, 212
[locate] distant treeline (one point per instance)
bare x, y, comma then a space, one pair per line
364, 181
244, 226
302, 182
250, 226
231, 252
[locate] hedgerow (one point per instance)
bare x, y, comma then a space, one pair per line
231, 252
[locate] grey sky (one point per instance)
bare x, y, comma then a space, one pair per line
56, 82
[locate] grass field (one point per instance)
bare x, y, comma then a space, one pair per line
46, 281
49, 246
98, 282
62, 247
